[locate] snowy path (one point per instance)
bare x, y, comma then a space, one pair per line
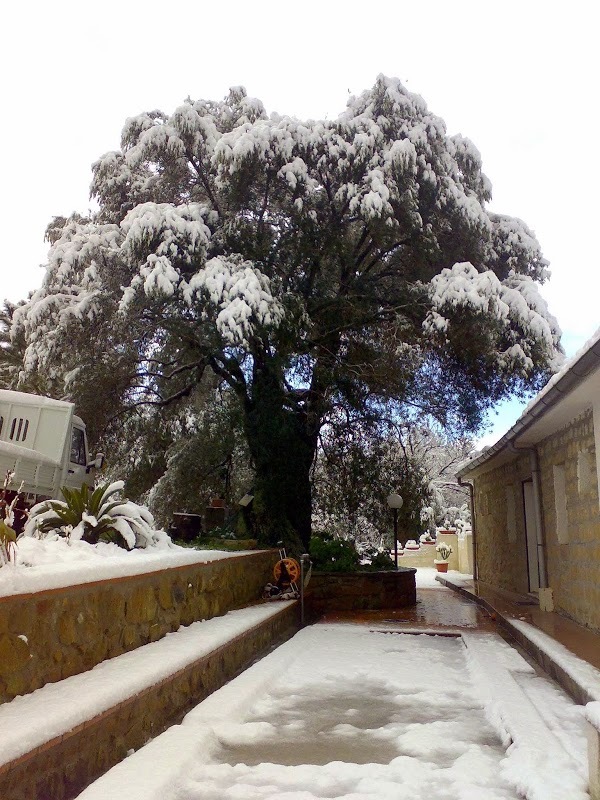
341, 711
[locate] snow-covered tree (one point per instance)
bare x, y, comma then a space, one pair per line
308, 264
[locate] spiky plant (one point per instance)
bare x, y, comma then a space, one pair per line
92, 516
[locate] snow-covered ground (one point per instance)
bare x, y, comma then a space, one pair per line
342, 711
54, 562
425, 578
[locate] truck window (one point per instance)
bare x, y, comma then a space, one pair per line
78, 447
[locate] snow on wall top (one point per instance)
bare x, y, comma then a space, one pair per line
48, 564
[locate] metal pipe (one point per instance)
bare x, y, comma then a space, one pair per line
303, 558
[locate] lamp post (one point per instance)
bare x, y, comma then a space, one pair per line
395, 502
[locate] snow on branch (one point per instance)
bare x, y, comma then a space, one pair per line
241, 295
515, 304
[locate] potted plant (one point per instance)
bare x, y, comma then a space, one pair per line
444, 550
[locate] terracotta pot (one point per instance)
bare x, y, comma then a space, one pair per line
441, 566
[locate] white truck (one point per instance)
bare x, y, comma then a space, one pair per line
44, 444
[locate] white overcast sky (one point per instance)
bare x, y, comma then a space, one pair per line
518, 78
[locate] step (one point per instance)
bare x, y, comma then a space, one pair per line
537, 762
577, 675
64, 622
61, 737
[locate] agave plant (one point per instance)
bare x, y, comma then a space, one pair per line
92, 516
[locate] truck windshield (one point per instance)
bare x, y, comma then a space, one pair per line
78, 447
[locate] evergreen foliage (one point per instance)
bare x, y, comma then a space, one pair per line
316, 268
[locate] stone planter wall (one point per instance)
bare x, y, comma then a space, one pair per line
360, 591
50, 635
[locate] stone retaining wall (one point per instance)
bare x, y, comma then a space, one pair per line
50, 635
360, 591
62, 768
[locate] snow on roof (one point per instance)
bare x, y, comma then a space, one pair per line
9, 396
28, 454
571, 374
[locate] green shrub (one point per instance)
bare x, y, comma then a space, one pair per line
380, 560
333, 555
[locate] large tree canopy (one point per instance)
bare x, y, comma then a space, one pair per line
312, 266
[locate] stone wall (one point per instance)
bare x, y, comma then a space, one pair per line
63, 767
51, 635
426, 555
573, 564
465, 553
360, 591
423, 557
500, 535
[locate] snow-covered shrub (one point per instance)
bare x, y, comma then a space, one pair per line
95, 516
331, 554
444, 549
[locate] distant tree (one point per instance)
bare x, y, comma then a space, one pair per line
358, 466
346, 263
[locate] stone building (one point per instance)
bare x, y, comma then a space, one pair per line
536, 500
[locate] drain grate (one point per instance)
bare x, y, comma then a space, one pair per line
419, 632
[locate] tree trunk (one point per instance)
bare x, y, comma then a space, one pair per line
282, 448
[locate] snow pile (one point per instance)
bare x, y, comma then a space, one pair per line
337, 712
592, 713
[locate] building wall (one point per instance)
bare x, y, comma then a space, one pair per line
465, 553
571, 514
500, 526
572, 520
